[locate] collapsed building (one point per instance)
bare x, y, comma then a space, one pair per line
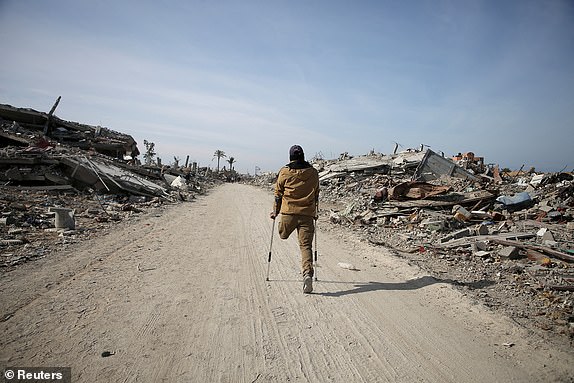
54, 172
39, 149
20, 126
504, 236
424, 188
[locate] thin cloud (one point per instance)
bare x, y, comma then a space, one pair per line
252, 79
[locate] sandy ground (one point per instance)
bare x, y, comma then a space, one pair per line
181, 297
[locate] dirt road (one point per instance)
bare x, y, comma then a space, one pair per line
181, 297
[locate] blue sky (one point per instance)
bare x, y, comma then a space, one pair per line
252, 78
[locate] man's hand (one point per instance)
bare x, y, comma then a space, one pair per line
272, 215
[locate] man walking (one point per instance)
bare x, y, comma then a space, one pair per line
296, 199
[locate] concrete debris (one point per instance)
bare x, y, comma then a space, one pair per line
509, 252
433, 166
348, 266
507, 234
20, 127
62, 182
461, 214
64, 218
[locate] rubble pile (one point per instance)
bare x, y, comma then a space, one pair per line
263, 180
507, 238
62, 182
28, 225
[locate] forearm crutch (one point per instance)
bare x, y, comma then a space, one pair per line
270, 247
315, 256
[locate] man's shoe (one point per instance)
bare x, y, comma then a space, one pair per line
307, 284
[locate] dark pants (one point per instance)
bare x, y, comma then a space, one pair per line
305, 226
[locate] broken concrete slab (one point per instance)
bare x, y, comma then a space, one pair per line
481, 253
482, 229
361, 164
64, 218
433, 166
101, 139
105, 176
509, 252
480, 246
432, 224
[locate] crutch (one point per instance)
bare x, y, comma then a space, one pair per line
315, 259
270, 247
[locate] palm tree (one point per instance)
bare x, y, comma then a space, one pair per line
231, 161
149, 152
219, 153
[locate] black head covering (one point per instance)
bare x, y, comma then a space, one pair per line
296, 153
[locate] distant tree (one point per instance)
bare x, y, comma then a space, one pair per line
149, 152
219, 154
231, 161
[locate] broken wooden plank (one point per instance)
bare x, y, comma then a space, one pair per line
454, 199
467, 241
416, 190
539, 248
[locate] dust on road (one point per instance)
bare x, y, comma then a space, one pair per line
181, 297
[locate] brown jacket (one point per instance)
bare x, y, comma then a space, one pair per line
297, 190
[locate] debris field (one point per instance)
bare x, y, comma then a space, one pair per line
62, 182
505, 238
